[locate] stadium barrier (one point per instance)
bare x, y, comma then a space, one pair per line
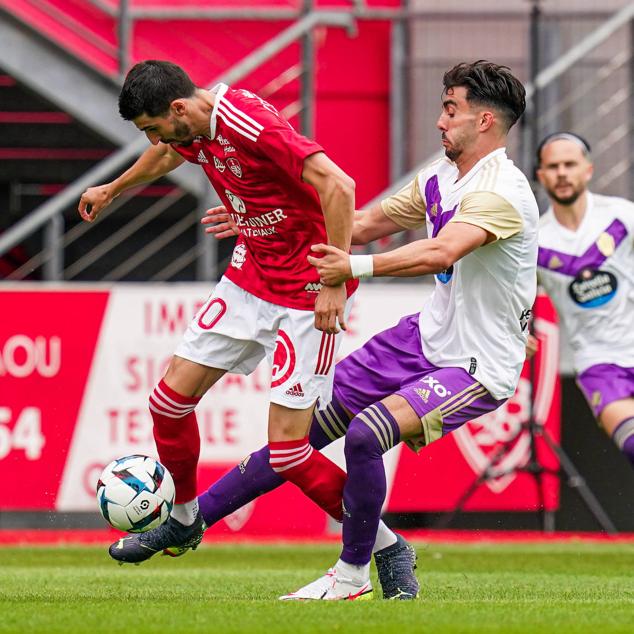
77, 364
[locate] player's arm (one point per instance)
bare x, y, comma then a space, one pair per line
483, 217
371, 224
156, 161
403, 210
421, 257
336, 194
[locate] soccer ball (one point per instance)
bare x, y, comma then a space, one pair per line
135, 493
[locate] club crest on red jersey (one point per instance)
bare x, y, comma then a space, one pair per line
239, 256
234, 166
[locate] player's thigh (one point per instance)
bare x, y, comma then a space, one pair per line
615, 413
189, 378
385, 363
443, 400
228, 334
287, 423
302, 360
606, 384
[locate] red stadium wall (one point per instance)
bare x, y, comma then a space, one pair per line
352, 70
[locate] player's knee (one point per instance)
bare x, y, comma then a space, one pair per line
166, 405
372, 432
361, 442
623, 436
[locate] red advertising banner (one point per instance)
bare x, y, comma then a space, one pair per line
47, 342
77, 366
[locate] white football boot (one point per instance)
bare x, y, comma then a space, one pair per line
331, 587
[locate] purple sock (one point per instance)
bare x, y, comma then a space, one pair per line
623, 436
372, 432
250, 479
328, 424
254, 477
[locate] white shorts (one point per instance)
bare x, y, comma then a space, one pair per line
235, 330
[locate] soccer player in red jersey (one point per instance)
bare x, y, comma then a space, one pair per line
284, 194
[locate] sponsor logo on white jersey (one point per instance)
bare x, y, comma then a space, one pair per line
239, 256
202, 158
236, 202
219, 165
234, 166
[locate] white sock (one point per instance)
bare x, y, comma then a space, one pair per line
358, 574
384, 537
186, 513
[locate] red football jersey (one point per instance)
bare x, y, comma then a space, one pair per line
254, 160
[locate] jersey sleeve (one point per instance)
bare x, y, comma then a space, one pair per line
491, 212
264, 132
407, 207
286, 147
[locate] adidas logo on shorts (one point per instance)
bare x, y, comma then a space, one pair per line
296, 390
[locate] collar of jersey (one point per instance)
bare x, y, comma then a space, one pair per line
469, 175
584, 221
219, 90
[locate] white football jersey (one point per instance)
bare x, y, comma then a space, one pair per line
589, 275
477, 317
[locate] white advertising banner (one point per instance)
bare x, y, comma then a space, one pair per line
141, 327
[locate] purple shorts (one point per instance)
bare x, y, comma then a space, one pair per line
392, 362
605, 383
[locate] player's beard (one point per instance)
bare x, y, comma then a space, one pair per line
453, 151
567, 200
182, 135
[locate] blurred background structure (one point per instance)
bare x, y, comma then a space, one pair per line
363, 77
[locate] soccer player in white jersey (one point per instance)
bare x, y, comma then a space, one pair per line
283, 191
586, 265
461, 356
457, 359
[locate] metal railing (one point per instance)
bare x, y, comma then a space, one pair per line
50, 212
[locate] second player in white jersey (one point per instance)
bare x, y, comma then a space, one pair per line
586, 265
589, 275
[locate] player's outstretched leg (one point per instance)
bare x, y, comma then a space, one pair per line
172, 537
396, 565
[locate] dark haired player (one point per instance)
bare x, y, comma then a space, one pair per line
284, 193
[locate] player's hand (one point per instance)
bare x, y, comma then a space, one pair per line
93, 201
333, 267
221, 223
329, 307
532, 346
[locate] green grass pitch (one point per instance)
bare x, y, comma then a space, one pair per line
511, 589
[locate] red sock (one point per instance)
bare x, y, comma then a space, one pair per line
319, 478
177, 437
